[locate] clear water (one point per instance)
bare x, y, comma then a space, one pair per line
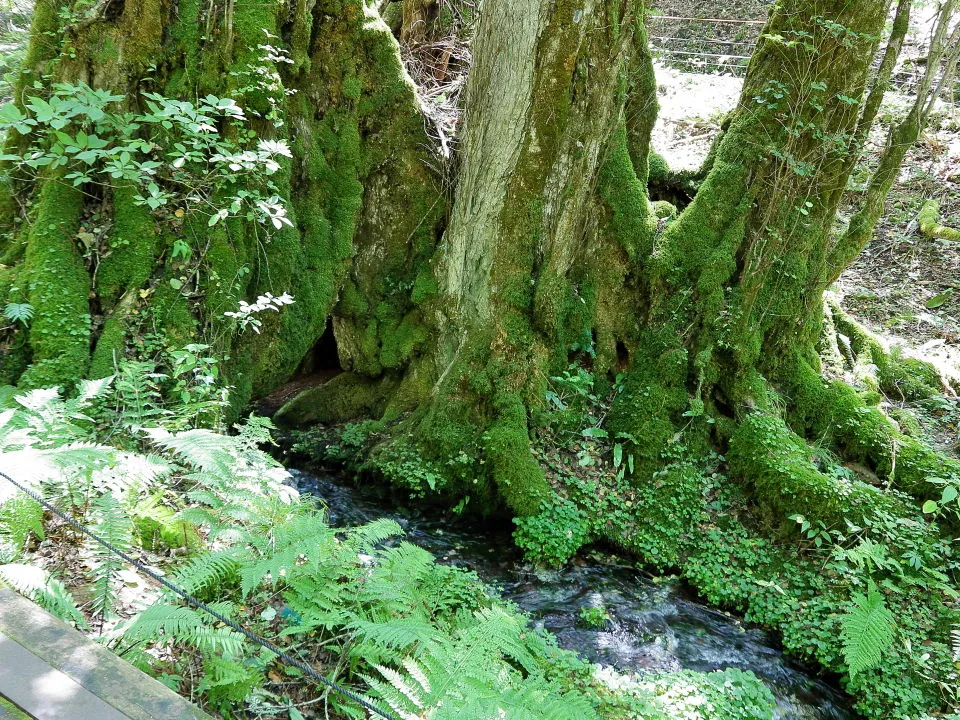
654, 625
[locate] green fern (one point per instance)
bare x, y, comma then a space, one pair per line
466, 676
206, 574
20, 517
18, 313
47, 591
430, 641
203, 449
867, 631
115, 526
167, 623
137, 400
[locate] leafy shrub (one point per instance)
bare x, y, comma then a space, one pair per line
555, 534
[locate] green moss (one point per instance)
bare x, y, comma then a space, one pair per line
129, 258
110, 348
626, 197
424, 287
300, 35
222, 263
900, 377
929, 220
779, 466
170, 312
651, 404
836, 413
658, 172
664, 210
345, 397
401, 343
58, 287
518, 475
44, 44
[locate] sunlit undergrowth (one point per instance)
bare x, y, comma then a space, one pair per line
871, 593
866, 589
214, 513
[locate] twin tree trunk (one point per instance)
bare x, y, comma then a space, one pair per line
455, 287
455, 290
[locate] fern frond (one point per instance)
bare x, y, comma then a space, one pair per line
20, 516
203, 449
400, 634
365, 537
164, 623
417, 673
208, 571
114, 526
88, 390
18, 312
867, 631
42, 588
402, 686
81, 455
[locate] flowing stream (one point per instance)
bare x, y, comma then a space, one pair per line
654, 625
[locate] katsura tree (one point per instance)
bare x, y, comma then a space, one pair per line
166, 161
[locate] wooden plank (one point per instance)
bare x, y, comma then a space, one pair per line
91, 667
45, 693
9, 711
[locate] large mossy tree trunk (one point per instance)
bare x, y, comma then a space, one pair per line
451, 307
362, 199
455, 290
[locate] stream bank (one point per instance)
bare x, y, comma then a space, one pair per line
636, 623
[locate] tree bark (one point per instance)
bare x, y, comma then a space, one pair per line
455, 291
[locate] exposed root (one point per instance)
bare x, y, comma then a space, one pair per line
848, 345
345, 397
836, 415
929, 222
780, 468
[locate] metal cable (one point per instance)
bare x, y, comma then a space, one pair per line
715, 55
256, 639
707, 20
704, 40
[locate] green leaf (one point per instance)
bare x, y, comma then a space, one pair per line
18, 312
949, 494
938, 300
930, 506
10, 113
175, 283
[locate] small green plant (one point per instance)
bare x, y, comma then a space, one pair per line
554, 535
594, 616
868, 630
18, 313
816, 531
